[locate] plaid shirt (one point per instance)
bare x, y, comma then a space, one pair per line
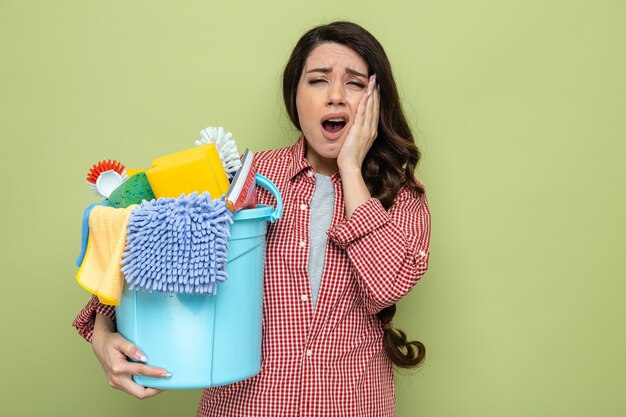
331, 361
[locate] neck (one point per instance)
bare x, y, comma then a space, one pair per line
321, 165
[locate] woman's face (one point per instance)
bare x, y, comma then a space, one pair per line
331, 86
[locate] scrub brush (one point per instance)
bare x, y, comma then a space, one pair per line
105, 176
226, 147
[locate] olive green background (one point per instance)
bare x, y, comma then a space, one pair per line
520, 110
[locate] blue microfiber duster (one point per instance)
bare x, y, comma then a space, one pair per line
178, 245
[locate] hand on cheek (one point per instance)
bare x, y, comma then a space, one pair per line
363, 131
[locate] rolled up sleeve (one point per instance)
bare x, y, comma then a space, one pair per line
388, 250
85, 320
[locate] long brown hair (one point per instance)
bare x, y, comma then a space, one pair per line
391, 161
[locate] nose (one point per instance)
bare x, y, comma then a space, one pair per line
336, 94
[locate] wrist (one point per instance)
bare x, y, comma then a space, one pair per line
103, 328
355, 190
349, 170
104, 324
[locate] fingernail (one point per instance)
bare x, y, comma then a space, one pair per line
140, 357
166, 375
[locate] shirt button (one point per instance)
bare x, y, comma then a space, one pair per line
310, 174
304, 297
303, 207
422, 253
309, 353
302, 243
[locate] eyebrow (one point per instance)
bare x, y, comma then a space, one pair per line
326, 70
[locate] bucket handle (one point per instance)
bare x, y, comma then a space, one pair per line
271, 187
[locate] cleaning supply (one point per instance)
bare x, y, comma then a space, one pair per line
85, 231
226, 147
202, 340
130, 172
105, 176
178, 245
197, 169
132, 191
242, 191
100, 271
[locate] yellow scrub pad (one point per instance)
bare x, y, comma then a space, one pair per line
197, 169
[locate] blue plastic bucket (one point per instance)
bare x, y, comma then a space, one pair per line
207, 340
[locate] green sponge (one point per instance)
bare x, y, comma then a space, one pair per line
132, 191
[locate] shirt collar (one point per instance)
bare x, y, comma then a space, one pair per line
299, 164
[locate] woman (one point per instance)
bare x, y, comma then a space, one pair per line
353, 240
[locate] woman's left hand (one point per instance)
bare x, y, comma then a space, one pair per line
363, 131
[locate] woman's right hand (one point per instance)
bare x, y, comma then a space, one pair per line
113, 352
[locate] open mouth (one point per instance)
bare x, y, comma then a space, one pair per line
334, 123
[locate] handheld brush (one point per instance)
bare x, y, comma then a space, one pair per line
105, 176
226, 147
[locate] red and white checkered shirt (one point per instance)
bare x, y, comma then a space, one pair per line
329, 361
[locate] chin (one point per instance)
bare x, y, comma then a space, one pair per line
332, 152
330, 156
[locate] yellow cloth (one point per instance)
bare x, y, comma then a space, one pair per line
100, 271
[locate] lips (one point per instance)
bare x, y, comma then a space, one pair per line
333, 124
